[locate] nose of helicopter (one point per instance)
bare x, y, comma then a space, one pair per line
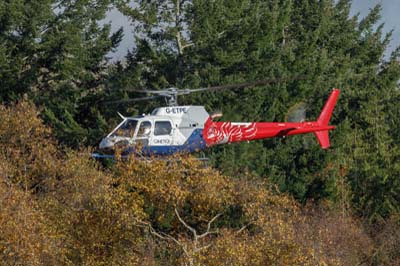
106, 143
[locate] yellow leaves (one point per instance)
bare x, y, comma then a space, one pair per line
269, 219
27, 143
73, 210
62, 208
268, 238
249, 249
97, 219
24, 236
335, 239
175, 182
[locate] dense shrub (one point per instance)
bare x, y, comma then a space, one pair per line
60, 207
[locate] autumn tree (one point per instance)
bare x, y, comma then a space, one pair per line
61, 207
58, 207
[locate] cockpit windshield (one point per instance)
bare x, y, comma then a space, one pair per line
126, 129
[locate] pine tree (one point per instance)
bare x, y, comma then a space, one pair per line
55, 53
21, 26
367, 146
202, 44
191, 44
74, 52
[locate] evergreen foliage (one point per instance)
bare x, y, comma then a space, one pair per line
202, 43
54, 52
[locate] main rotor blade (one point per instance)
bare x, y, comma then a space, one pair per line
167, 93
174, 91
150, 91
244, 85
134, 100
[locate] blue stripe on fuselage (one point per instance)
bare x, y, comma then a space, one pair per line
194, 143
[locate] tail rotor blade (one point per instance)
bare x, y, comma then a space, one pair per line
297, 113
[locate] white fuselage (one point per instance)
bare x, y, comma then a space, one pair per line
165, 127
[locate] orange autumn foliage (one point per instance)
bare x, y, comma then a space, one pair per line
60, 207
76, 207
25, 238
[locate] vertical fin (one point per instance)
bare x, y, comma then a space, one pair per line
324, 117
326, 112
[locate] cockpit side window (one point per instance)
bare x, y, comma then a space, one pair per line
144, 129
162, 128
127, 129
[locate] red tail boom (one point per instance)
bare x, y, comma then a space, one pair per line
227, 132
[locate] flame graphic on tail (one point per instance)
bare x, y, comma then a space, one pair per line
227, 132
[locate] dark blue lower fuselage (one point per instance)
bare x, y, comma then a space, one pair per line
194, 143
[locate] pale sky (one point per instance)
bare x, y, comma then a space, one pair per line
390, 16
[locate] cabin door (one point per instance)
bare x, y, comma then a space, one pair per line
163, 133
143, 134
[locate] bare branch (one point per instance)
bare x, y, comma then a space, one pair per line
212, 220
201, 248
208, 233
209, 226
189, 248
244, 227
187, 45
186, 225
162, 235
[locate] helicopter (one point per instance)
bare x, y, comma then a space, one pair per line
190, 128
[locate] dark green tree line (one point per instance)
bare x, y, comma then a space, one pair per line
202, 43
54, 52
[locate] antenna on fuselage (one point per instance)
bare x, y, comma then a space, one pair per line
123, 117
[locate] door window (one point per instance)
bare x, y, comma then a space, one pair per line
162, 128
144, 129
